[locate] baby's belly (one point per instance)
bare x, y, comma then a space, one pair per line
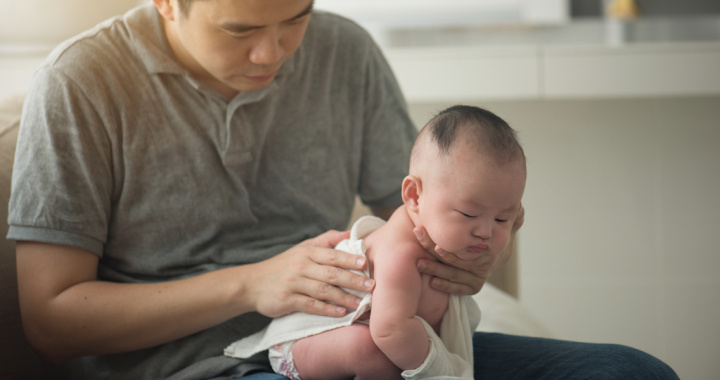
433, 304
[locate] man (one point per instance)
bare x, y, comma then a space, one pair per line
179, 174
187, 150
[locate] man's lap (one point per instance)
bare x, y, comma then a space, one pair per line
498, 356
502, 356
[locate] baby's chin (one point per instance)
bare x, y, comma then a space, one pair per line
472, 254
468, 256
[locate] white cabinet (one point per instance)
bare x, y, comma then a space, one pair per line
642, 70
458, 74
452, 74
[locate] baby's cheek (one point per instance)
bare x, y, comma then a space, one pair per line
450, 242
501, 241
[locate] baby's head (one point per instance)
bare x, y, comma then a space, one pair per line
466, 181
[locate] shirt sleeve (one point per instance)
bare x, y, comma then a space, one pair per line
61, 187
389, 135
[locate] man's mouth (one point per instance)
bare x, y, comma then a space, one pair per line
261, 78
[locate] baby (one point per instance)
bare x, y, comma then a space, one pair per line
466, 181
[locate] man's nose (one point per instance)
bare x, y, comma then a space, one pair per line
268, 50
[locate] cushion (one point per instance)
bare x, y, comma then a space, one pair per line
502, 313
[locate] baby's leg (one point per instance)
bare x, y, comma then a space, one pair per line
343, 353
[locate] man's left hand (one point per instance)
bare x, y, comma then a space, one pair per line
454, 275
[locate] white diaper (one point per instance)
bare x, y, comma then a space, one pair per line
281, 360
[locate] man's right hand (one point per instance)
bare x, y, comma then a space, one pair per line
308, 278
67, 312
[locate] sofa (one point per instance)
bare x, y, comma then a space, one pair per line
501, 311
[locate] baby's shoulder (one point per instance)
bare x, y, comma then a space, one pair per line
385, 245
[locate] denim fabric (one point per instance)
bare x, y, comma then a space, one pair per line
263, 376
501, 356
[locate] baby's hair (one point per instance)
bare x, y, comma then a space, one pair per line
489, 133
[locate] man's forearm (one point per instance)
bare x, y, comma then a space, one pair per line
71, 317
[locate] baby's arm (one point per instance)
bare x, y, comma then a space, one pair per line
393, 326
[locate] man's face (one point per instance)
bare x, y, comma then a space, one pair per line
236, 45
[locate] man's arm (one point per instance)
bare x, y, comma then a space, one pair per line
67, 312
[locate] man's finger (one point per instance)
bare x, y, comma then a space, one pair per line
447, 257
519, 219
313, 306
450, 277
451, 287
325, 292
337, 276
336, 258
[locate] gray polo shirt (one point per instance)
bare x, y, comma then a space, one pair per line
122, 153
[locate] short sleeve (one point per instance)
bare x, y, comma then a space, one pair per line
389, 135
61, 186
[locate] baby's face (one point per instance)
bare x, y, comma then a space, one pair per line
470, 204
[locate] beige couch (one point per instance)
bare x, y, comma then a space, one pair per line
19, 361
17, 358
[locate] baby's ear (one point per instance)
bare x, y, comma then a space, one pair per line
411, 190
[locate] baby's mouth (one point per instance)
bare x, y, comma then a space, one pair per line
478, 248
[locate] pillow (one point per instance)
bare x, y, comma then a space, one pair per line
504, 314
10, 111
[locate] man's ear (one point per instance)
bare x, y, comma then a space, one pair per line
411, 190
166, 8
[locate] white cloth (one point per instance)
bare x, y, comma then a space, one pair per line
450, 357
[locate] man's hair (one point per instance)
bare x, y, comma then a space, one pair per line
490, 134
185, 6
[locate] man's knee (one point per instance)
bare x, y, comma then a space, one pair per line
613, 361
510, 356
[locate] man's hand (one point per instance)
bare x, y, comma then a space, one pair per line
457, 276
308, 277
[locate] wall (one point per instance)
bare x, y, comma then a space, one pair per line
622, 207
52, 21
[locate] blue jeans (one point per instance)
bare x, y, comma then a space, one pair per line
263, 376
501, 356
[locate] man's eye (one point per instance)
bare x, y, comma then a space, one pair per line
296, 21
299, 20
240, 35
